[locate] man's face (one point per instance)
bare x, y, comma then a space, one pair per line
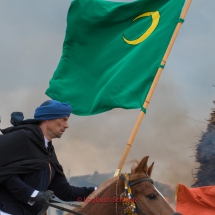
56, 127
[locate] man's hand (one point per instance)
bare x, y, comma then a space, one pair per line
43, 196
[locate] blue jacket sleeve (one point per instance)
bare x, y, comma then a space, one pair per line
64, 191
18, 188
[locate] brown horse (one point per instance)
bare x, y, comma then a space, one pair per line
107, 199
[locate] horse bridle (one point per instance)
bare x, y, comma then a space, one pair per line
143, 180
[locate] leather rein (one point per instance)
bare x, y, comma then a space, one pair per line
130, 195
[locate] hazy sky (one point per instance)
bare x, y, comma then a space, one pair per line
31, 38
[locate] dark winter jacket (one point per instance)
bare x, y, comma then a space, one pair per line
26, 165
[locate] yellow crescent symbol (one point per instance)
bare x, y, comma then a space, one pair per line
155, 21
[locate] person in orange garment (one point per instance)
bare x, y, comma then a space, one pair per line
195, 201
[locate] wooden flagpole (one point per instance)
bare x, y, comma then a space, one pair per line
151, 91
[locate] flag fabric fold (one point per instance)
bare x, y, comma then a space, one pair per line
111, 53
195, 201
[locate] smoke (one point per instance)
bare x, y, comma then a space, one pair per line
31, 48
96, 143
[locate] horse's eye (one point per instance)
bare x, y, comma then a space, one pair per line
151, 196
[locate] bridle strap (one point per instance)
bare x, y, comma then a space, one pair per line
142, 211
137, 182
141, 180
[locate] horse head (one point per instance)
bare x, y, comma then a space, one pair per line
148, 199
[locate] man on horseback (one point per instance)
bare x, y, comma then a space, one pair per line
29, 168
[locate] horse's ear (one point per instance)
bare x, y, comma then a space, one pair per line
150, 170
142, 166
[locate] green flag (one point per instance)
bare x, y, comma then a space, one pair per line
111, 53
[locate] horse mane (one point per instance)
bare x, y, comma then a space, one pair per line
134, 161
100, 189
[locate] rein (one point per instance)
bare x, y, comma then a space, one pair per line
129, 203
